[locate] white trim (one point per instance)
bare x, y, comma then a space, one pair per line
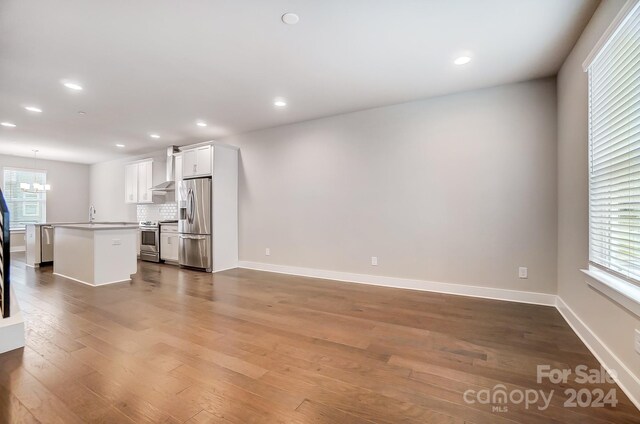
609, 33
139, 160
620, 291
12, 328
403, 283
225, 269
627, 380
89, 284
18, 249
213, 143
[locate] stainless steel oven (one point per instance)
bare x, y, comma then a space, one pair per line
149, 241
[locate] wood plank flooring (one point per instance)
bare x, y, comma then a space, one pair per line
178, 346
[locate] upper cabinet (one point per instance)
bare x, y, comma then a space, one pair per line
145, 181
196, 162
131, 183
138, 180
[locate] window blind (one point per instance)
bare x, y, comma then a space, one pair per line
614, 151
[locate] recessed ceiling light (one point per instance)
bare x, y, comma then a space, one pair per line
33, 109
290, 18
119, 145
280, 102
7, 124
201, 124
462, 60
154, 136
72, 85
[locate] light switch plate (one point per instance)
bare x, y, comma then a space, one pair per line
374, 260
116, 242
267, 252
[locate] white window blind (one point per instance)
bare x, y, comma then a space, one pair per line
24, 207
614, 151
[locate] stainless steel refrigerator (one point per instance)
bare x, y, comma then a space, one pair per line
194, 223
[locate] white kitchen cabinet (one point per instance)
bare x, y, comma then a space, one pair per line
145, 182
169, 243
189, 163
138, 180
131, 183
196, 162
203, 162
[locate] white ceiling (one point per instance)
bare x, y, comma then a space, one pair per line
160, 65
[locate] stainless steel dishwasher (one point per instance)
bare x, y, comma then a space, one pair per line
46, 243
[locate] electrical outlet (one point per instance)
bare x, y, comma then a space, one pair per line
523, 272
267, 252
637, 341
116, 242
374, 260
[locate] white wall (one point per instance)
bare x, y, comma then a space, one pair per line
458, 189
68, 199
610, 322
107, 186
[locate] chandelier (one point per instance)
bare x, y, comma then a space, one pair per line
35, 187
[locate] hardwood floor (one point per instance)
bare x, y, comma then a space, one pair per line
252, 347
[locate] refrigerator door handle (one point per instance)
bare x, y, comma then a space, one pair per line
192, 237
190, 204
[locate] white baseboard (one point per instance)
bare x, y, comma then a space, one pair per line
89, 284
403, 283
12, 328
627, 380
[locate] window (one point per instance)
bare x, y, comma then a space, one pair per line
24, 207
614, 150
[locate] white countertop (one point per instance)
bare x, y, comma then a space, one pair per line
99, 226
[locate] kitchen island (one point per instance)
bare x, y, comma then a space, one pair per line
95, 253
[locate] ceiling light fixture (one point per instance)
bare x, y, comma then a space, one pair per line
33, 109
290, 18
154, 136
72, 85
7, 124
279, 102
119, 145
35, 187
462, 60
201, 124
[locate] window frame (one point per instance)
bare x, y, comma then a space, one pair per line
42, 202
602, 274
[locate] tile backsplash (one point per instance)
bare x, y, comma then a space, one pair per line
158, 212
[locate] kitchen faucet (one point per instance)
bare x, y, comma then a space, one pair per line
92, 212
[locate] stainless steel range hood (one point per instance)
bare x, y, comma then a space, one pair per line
169, 184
